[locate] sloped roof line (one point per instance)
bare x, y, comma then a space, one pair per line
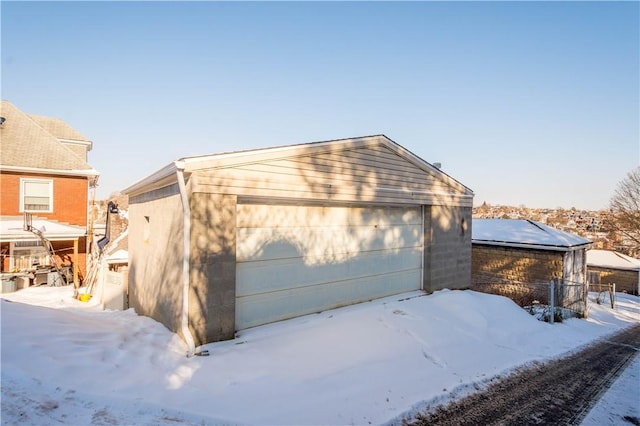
612, 259
59, 128
71, 152
625, 257
396, 147
523, 233
25, 143
235, 158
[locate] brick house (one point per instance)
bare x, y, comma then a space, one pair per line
263, 235
608, 267
43, 171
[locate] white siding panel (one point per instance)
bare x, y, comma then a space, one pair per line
275, 275
322, 244
276, 306
295, 260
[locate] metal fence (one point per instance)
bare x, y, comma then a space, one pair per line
605, 293
551, 301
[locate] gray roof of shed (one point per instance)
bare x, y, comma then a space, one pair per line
524, 234
28, 142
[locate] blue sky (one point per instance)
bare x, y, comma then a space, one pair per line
526, 103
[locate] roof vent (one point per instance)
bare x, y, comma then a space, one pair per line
2, 120
437, 165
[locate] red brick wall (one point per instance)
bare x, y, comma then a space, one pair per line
64, 255
70, 197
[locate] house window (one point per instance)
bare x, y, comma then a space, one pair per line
36, 195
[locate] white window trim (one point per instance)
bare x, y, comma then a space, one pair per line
23, 181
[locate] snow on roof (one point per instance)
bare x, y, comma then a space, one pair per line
612, 259
523, 233
120, 256
11, 229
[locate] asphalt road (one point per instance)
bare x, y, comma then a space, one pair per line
560, 392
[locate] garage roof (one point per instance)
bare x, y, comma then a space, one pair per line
524, 234
612, 259
167, 175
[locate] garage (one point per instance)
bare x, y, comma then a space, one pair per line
221, 243
297, 260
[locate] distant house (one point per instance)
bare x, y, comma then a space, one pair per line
608, 267
258, 236
43, 171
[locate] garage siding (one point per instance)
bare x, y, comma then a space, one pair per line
290, 230
295, 260
364, 175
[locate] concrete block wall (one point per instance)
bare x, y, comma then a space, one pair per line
213, 267
447, 248
626, 281
155, 255
515, 264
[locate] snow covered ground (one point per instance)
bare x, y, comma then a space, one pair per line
68, 362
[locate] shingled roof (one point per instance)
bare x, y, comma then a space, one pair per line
59, 128
29, 143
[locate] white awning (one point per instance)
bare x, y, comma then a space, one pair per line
11, 229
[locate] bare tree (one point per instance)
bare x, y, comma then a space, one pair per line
625, 206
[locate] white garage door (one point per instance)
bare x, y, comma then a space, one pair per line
296, 260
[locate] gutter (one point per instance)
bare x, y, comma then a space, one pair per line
547, 247
165, 172
186, 259
63, 172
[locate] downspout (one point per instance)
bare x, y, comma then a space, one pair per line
186, 259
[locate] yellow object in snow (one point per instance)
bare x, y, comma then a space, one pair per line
84, 297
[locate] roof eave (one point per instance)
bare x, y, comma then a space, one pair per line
158, 179
65, 236
616, 267
87, 143
234, 158
546, 247
71, 172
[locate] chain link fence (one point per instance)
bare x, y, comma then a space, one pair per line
551, 301
604, 293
